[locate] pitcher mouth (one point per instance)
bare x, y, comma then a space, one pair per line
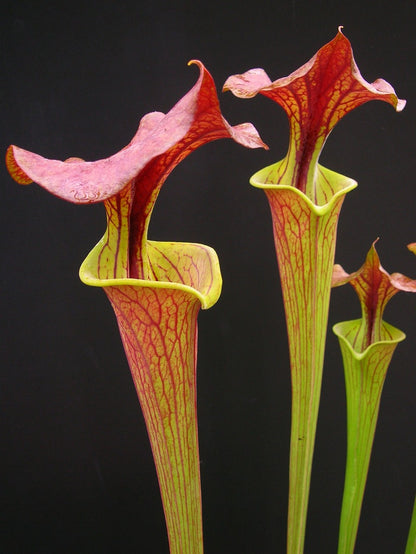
205, 284
340, 330
330, 185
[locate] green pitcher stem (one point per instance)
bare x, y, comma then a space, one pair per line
305, 268
306, 343
305, 407
365, 373
305, 237
361, 425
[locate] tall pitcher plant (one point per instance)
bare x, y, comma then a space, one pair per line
156, 288
305, 200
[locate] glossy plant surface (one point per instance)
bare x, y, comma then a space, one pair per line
155, 288
305, 200
367, 346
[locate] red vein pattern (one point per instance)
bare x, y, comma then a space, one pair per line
305, 245
159, 332
374, 287
367, 346
161, 142
114, 262
315, 97
156, 289
305, 237
158, 325
305, 200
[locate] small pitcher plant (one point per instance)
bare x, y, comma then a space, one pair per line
367, 346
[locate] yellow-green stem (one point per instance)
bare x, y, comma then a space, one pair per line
364, 379
305, 236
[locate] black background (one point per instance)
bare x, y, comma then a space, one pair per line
76, 469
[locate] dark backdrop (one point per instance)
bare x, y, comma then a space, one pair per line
76, 469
